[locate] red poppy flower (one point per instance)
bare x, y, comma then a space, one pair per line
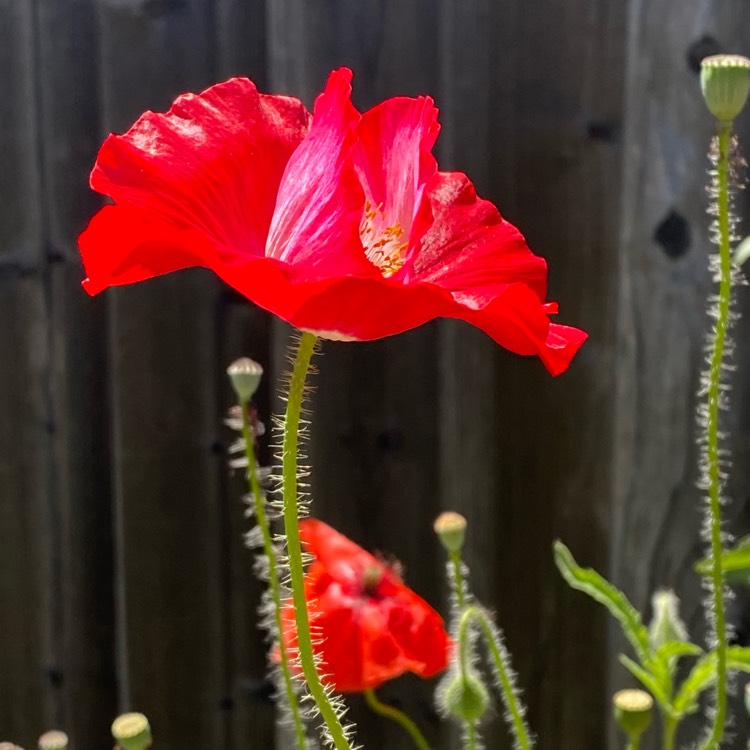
369, 626
339, 223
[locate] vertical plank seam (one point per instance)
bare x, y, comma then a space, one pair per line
50, 466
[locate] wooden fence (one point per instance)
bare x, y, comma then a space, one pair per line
124, 582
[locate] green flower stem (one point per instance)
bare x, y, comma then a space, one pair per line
274, 584
670, 727
634, 743
477, 615
458, 587
458, 579
294, 550
398, 716
712, 438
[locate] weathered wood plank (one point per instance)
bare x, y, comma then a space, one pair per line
661, 316
29, 692
21, 225
29, 699
82, 483
241, 39
163, 359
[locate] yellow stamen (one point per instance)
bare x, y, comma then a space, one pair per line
383, 243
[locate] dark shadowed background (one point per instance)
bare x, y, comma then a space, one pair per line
123, 580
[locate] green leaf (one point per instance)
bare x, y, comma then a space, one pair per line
703, 675
677, 649
735, 561
650, 682
664, 661
599, 589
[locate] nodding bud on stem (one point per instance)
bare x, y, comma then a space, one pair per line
666, 624
132, 732
632, 710
465, 697
451, 529
725, 82
245, 375
53, 740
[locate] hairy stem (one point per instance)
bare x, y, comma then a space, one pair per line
477, 615
294, 549
457, 584
458, 579
712, 439
398, 716
274, 584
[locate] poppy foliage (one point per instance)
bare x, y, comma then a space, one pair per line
367, 625
338, 222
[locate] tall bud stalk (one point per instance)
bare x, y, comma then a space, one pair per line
245, 376
725, 80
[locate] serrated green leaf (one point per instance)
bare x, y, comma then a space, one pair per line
735, 561
598, 588
650, 682
703, 675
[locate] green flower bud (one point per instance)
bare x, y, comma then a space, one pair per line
632, 710
245, 375
53, 740
132, 731
451, 529
725, 82
466, 697
666, 624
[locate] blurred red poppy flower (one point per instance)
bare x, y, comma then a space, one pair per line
369, 627
339, 223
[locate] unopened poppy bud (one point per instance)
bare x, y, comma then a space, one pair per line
666, 624
132, 731
245, 374
632, 710
725, 82
466, 697
451, 529
53, 740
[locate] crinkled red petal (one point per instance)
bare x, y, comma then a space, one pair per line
469, 246
212, 164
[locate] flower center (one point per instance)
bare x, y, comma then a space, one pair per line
371, 577
384, 243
